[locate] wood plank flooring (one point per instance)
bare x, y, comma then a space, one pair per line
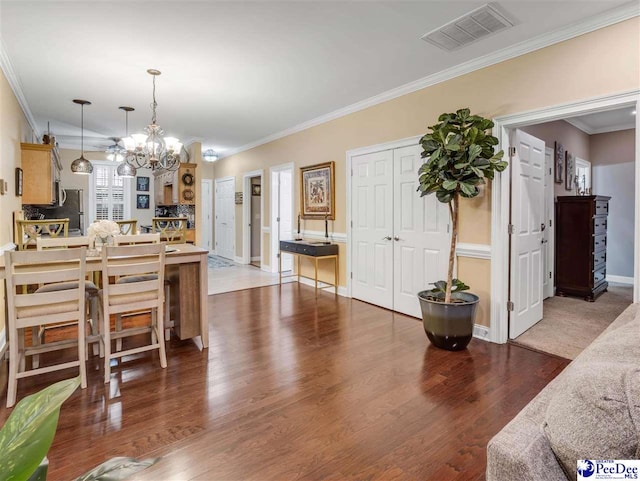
298, 388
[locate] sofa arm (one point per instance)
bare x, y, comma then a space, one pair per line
521, 451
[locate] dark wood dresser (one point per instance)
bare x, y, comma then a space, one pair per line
581, 245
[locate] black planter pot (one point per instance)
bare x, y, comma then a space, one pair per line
449, 326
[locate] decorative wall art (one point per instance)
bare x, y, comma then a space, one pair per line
317, 194
239, 197
142, 184
256, 189
559, 162
142, 201
18, 181
570, 171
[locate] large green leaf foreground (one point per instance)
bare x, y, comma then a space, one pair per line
28, 433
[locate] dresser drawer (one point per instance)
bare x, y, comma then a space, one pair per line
599, 258
602, 207
599, 225
599, 242
599, 276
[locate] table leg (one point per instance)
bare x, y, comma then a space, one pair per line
204, 294
316, 275
335, 273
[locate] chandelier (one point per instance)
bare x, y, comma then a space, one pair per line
150, 150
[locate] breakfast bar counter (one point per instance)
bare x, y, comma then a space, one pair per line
186, 269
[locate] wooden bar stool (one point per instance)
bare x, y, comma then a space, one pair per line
133, 281
27, 310
128, 227
172, 230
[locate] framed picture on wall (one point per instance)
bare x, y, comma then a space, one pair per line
317, 191
559, 162
142, 201
18, 181
142, 184
256, 189
570, 171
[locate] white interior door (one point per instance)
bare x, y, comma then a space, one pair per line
549, 219
372, 231
225, 217
527, 207
281, 214
420, 233
206, 215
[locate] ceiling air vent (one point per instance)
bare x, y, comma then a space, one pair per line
469, 28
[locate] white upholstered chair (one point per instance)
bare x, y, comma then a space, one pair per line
133, 281
28, 310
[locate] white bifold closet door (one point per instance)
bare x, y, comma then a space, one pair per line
400, 241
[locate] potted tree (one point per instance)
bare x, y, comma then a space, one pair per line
460, 156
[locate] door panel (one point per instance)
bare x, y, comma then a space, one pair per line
421, 238
527, 206
286, 214
372, 203
225, 218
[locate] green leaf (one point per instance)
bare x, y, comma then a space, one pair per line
457, 285
474, 151
468, 189
449, 184
28, 433
117, 469
444, 196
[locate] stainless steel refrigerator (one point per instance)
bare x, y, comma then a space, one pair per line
73, 208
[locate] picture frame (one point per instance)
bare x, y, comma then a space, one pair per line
18, 181
142, 184
317, 191
256, 189
570, 171
142, 201
559, 162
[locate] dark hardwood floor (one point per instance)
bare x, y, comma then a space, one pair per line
298, 388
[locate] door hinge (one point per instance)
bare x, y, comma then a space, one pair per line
511, 229
352, 224
351, 172
512, 151
351, 275
549, 275
550, 225
277, 219
510, 306
448, 227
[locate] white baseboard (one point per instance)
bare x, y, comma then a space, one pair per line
213, 252
258, 258
481, 332
239, 260
342, 290
620, 279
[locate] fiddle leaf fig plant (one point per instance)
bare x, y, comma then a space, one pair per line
459, 156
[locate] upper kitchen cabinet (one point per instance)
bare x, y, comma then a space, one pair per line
41, 174
177, 187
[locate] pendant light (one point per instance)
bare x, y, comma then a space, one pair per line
81, 165
125, 169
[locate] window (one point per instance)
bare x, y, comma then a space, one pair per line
110, 194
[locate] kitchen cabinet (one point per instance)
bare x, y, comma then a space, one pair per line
40, 174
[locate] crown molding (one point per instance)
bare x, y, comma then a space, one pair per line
16, 86
605, 19
579, 124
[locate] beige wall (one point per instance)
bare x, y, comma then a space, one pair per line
14, 129
554, 75
573, 139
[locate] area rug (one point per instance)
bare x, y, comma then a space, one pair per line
217, 262
570, 324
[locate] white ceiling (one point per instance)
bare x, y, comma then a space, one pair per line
607, 121
236, 72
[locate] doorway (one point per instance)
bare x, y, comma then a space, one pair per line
399, 241
514, 272
225, 233
281, 214
253, 215
207, 214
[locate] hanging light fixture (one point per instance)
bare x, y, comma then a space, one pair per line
210, 155
115, 152
126, 168
81, 165
151, 149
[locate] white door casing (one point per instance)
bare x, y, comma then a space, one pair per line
549, 220
207, 214
247, 217
527, 207
420, 232
225, 232
372, 230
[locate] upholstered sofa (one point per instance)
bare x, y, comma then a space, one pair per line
526, 450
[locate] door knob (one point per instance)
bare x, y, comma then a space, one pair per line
396, 238
543, 226
388, 238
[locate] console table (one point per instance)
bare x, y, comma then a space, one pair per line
316, 251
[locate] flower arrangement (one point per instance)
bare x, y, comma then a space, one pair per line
103, 230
